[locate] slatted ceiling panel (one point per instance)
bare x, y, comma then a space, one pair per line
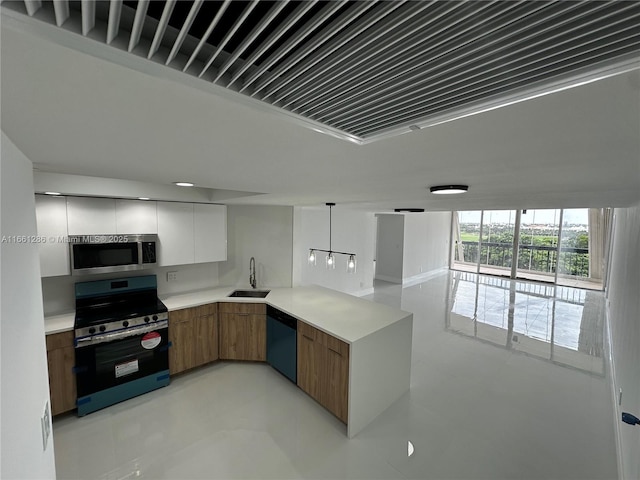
88, 16
501, 68
320, 46
311, 68
251, 37
287, 24
138, 23
162, 26
32, 6
113, 22
362, 57
229, 35
474, 66
184, 30
395, 62
61, 8
391, 73
206, 34
367, 69
300, 36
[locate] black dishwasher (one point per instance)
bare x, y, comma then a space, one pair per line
282, 342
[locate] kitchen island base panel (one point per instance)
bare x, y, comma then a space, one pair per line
379, 373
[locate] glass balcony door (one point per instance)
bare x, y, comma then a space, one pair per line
466, 235
538, 244
574, 263
565, 246
496, 242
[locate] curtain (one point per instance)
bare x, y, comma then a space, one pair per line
459, 252
599, 226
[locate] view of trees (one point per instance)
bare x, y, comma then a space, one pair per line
537, 251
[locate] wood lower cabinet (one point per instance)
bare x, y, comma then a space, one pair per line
323, 369
243, 331
61, 359
193, 333
310, 353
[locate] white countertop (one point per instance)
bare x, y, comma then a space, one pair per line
344, 316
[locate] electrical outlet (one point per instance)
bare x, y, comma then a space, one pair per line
172, 276
45, 422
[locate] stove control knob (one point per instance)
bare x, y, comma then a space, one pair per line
125, 324
155, 317
92, 331
102, 328
146, 319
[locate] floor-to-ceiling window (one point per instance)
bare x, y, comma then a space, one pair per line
563, 246
538, 244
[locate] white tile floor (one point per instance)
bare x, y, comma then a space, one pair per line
480, 405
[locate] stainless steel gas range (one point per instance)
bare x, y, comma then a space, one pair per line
121, 341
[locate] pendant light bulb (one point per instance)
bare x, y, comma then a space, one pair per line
351, 264
312, 257
331, 261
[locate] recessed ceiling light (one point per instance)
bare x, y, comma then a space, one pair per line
52, 193
183, 184
143, 198
449, 189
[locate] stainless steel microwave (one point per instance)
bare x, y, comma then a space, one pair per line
112, 253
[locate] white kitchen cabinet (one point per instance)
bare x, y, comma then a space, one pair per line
175, 233
91, 216
210, 241
136, 216
51, 218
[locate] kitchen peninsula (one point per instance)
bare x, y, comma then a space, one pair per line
377, 339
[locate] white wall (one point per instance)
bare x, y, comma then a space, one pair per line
426, 243
262, 232
58, 292
390, 247
352, 231
25, 385
624, 320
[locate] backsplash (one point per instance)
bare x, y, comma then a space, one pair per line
59, 297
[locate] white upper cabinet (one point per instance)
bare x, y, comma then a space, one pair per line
210, 233
51, 218
136, 216
91, 216
175, 233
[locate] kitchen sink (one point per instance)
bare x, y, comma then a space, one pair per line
250, 293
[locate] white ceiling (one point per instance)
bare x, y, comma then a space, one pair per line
78, 109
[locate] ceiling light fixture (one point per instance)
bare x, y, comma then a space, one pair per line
183, 184
330, 260
143, 198
448, 189
52, 193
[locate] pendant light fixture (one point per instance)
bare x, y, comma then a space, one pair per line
330, 259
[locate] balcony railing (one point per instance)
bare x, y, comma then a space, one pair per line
537, 258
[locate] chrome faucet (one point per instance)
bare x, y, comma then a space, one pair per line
252, 272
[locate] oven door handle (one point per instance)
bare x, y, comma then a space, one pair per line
124, 333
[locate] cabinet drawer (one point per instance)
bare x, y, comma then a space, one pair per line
208, 309
308, 331
183, 315
337, 346
59, 340
250, 308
